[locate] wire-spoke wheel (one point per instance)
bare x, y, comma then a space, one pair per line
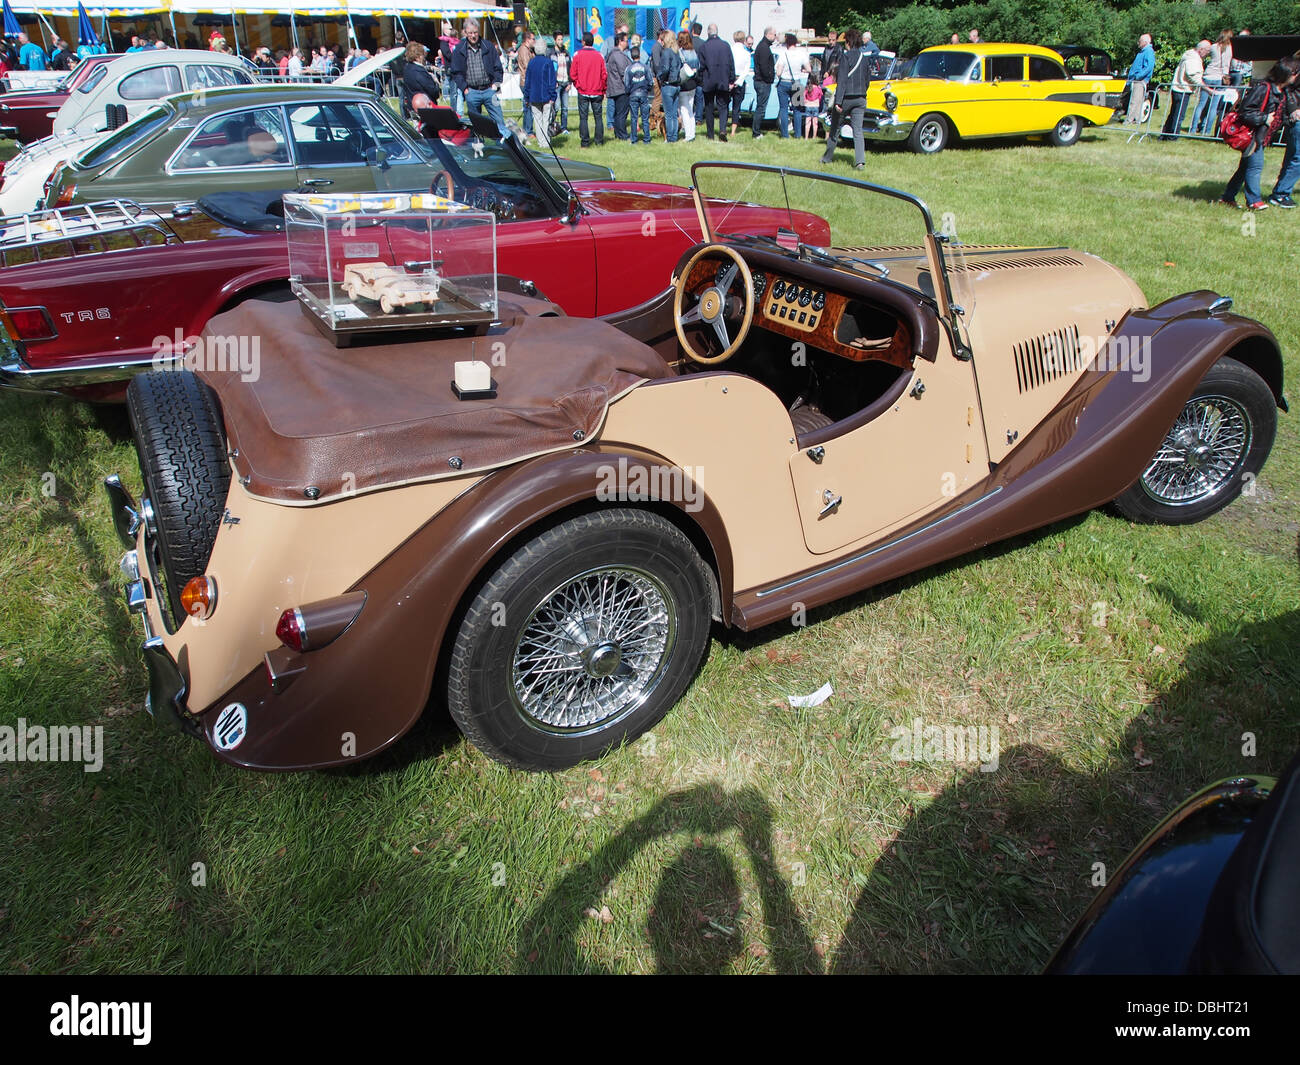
1200, 454
1216, 446
582, 639
593, 650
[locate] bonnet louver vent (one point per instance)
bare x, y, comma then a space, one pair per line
1025, 262
1045, 358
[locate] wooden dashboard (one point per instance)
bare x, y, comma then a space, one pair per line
821, 318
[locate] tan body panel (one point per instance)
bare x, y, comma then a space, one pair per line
1005, 328
278, 557
896, 466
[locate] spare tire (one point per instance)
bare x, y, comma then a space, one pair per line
176, 422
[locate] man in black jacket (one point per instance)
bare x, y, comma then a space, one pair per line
717, 79
764, 76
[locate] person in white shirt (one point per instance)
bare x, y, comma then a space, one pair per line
1188, 77
295, 64
1218, 73
744, 61
791, 65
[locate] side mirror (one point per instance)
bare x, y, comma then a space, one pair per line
573, 211
377, 157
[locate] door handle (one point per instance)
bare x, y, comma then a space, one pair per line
832, 502
318, 183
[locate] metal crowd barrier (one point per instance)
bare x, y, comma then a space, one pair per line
1160, 122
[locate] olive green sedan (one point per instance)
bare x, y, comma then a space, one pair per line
260, 138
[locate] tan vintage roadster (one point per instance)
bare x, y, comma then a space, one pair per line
324, 550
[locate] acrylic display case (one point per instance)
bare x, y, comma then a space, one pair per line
380, 262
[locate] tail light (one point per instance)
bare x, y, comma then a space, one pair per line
291, 631
311, 627
199, 598
65, 195
28, 323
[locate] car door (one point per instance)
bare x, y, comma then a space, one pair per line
999, 98
332, 145
245, 150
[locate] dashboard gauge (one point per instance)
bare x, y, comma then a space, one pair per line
791, 293
819, 301
760, 285
478, 197
507, 210
805, 297
778, 289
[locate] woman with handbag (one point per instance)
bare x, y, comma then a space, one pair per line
1260, 112
850, 99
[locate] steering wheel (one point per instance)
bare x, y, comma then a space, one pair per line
711, 303
451, 185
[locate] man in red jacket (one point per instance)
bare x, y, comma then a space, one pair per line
588, 74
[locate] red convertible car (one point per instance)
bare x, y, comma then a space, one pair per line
90, 295
29, 116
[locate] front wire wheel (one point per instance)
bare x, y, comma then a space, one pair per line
1217, 444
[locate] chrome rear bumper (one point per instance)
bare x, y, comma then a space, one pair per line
168, 686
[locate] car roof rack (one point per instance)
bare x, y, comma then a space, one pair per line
82, 229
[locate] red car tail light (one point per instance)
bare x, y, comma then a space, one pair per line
28, 323
291, 631
199, 598
65, 195
311, 627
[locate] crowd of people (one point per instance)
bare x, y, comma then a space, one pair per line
678, 82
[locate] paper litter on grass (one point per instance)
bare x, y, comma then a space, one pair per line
815, 699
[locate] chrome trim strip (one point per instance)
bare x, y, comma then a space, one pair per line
21, 377
875, 550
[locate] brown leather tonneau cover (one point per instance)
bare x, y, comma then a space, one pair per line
318, 422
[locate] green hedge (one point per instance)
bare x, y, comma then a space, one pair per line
1175, 25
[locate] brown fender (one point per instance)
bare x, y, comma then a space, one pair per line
367, 688
1087, 451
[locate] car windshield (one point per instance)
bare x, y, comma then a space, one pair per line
487, 158
951, 66
124, 139
871, 230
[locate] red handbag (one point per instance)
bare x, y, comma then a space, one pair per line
1235, 133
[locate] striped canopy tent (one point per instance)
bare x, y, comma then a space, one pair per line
67, 9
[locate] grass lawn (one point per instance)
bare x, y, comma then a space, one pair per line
743, 836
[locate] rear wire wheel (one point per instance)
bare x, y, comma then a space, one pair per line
581, 640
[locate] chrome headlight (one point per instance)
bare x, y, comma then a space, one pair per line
891, 102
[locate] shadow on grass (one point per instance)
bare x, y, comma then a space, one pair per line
981, 852
692, 926
986, 876
1204, 191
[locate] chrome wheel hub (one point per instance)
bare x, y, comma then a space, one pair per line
593, 650
1201, 453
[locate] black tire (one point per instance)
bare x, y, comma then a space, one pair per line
1067, 131
930, 135
1228, 450
176, 422
652, 570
